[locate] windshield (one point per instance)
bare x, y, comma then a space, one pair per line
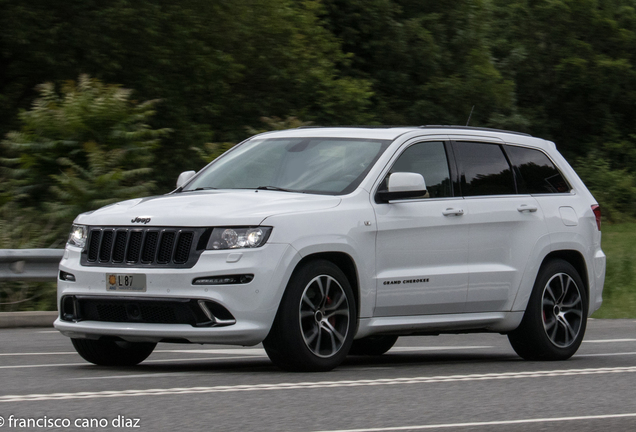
331, 166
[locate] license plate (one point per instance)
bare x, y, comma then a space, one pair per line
126, 282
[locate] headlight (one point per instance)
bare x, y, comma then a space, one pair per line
77, 236
238, 237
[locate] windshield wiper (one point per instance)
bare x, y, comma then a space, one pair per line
198, 189
276, 188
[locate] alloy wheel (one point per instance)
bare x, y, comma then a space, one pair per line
562, 308
324, 316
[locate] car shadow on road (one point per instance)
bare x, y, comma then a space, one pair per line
264, 365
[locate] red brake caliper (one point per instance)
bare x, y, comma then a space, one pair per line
332, 319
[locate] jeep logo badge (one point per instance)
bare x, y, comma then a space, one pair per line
143, 220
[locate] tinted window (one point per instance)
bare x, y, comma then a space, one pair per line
428, 159
538, 173
484, 169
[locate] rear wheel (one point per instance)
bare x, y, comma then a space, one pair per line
313, 329
554, 323
108, 352
372, 345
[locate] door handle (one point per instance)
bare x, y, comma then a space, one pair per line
526, 208
453, 212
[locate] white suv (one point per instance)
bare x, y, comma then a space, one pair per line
323, 242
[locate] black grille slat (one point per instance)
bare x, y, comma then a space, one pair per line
120, 246
93, 245
165, 247
106, 246
139, 246
150, 247
134, 246
182, 251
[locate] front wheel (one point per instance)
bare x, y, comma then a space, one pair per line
554, 323
314, 326
108, 352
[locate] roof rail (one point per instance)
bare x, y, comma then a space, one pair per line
474, 128
358, 126
485, 129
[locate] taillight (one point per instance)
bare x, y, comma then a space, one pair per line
597, 213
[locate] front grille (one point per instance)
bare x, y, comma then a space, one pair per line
144, 310
144, 247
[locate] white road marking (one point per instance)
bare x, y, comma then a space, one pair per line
38, 353
313, 385
42, 365
260, 351
240, 351
145, 361
248, 356
137, 375
609, 340
373, 368
490, 423
252, 351
205, 358
48, 331
257, 352
605, 354
437, 348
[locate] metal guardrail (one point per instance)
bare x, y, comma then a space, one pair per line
29, 264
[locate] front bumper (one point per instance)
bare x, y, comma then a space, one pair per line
245, 333
253, 305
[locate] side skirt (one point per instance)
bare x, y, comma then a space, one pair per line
498, 322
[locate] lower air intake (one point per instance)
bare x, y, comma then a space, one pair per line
195, 312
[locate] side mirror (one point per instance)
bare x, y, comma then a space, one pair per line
403, 185
184, 177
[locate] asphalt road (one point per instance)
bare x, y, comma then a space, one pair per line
452, 382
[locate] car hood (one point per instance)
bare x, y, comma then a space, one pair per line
207, 208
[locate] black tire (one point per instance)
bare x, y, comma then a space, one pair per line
108, 352
318, 303
554, 323
372, 345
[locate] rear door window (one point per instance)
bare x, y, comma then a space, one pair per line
537, 173
483, 169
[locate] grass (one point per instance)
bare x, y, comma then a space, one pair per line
619, 294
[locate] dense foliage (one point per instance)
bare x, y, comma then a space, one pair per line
559, 69
217, 66
78, 149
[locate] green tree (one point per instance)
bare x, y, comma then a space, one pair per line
572, 62
429, 62
78, 149
217, 66
615, 189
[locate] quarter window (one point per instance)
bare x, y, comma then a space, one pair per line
538, 173
483, 169
428, 159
